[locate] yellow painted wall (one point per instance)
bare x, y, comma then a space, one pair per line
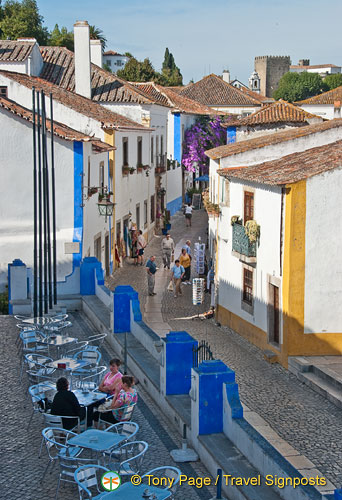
252, 333
295, 342
109, 138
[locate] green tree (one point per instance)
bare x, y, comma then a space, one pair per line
22, 19
298, 86
97, 34
170, 72
62, 38
139, 71
333, 81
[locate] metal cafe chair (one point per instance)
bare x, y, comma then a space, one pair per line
56, 443
123, 414
56, 422
128, 459
166, 471
86, 477
38, 394
127, 429
97, 339
67, 468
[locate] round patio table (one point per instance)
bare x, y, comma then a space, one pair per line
39, 320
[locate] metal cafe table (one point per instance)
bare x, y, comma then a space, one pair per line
58, 341
40, 321
96, 440
68, 365
87, 398
128, 491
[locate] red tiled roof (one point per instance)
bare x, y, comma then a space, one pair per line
268, 140
59, 129
277, 112
84, 106
59, 68
213, 91
15, 51
291, 168
315, 66
165, 96
326, 98
112, 53
259, 97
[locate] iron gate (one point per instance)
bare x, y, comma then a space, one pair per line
201, 353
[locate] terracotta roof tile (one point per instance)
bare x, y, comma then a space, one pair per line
213, 91
277, 112
59, 129
59, 68
268, 140
291, 168
15, 51
259, 97
112, 53
86, 107
326, 98
167, 97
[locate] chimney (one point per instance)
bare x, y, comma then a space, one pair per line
226, 76
337, 109
96, 52
82, 59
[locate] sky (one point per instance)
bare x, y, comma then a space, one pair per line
209, 36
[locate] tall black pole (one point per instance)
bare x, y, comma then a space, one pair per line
40, 212
47, 203
35, 258
46, 304
53, 188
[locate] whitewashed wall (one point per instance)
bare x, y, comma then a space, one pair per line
323, 110
274, 151
323, 257
94, 224
136, 188
16, 204
267, 213
237, 110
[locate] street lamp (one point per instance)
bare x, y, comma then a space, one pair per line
105, 207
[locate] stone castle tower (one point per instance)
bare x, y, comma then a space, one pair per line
270, 69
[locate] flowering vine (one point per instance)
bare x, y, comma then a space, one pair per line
205, 134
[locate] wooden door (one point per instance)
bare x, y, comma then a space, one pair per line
274, 314
107, 260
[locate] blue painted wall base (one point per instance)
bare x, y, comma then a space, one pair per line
87, 275
178, 359
123, 296
174, 205
212, 374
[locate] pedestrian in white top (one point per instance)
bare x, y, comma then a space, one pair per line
188, 214
168, 248
141, 244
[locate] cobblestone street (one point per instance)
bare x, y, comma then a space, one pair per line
309, 422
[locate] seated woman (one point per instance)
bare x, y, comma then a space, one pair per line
65, 403
111, 383
126, 396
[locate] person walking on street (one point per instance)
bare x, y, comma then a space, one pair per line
176, 276
168, 248
188, 214
141, 244
185, 261
151, 271
187, 247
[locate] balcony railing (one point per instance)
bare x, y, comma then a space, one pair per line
161, 161
241, 243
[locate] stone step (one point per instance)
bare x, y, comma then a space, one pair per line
330, 376
322, 386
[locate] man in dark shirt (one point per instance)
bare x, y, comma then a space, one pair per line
65, 403
151, 269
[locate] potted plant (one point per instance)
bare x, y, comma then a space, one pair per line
235, 219
125, 169
91, 191
139, 168
166, 221
131, 170
252, 230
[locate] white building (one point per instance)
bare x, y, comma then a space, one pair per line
78, 218
327, 105
321, 69
287, 183
114, 60
274, 117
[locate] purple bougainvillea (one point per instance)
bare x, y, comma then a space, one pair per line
203, 135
